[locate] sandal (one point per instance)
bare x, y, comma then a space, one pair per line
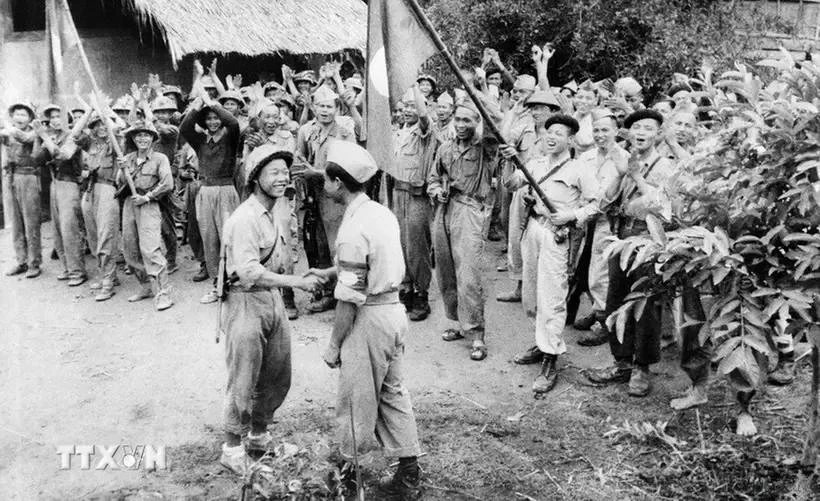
452, 335
478, 351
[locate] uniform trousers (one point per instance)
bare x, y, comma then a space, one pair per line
21, 199
214, 204
66, 215
142, 241
414, 214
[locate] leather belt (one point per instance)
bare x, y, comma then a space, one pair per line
405, 186
60, 176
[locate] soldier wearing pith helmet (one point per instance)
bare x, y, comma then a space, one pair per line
367, 343
257, 347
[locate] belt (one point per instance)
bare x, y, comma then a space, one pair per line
405, 186
389, 297
16, 169
461, 197
216, 181
60, 176
109, 182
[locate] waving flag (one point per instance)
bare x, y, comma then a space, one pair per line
397, 45
61, 37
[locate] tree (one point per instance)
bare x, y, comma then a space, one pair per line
750, 210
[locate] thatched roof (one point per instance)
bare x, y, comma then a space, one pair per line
256, 27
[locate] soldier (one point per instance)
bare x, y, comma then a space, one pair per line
460, 181
101, 210
640, 186
257, 345
64, 162
444, 127
413, 156
367, 342
323, 215
141, 217
572, 190
427, 85
216, 150
21, 199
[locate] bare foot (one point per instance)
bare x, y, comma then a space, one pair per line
745, 425
694, 396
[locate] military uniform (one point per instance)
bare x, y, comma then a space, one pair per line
141, 225
257, 344
414, 153
459, 226
21, 198
101, 210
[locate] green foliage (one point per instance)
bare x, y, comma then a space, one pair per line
749, 199
649, 39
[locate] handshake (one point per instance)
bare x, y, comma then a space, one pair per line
314, 279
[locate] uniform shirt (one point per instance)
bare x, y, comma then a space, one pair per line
250, 236
151, 175
167, 144
468, 167
216, 152
312, 140
100, 158
414, 153
572, 187
368, 258
58, 164
604, 167
19, 148
445, 132
658, 171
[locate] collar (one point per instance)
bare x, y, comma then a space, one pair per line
258, 209
354, 205
650, 158
216, 136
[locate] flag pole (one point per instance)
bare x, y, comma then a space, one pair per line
99, 103
482, 110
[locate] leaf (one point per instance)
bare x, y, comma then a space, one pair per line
772, 233
656, 230
727, 347
730, 306
638, 310
719, 274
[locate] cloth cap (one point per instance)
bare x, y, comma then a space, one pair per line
263, 155
323, 94
51, 107
141, 126
23, 106
163, 103
354, 159
429, 78
587, 85
525, 82
600, 113
305, 76
628, 85
642, 115
563, 120
445, 98
408, 96
545, 97
232, 95
470, 105
354, 83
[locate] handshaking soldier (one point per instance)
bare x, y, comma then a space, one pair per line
367, 342
257, 347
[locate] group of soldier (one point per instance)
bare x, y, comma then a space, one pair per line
248, 175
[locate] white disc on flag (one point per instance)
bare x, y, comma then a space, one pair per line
378, 73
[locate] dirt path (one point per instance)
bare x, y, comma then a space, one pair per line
75, 372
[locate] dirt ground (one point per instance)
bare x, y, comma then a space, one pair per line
76, 372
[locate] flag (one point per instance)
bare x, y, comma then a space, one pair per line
397, 45
61, 37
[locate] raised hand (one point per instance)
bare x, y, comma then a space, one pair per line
199, 71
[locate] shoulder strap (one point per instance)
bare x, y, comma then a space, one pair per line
645, 174
553, 171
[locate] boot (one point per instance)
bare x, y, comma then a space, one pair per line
202, 274
234, 459
33, 272
77, 280
545, 381
404, 485
406, 298
531, 356
586, 323
106, 291
620, 372
290, 303
163, 300
596, 336
63, 275
421, 307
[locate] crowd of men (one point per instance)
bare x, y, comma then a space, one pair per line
133, 180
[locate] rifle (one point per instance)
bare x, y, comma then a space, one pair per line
359, 489
220, 286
